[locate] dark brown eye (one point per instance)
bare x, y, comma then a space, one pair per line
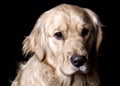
85, 32
58, 35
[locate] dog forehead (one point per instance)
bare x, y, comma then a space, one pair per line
61, 21
62, 24
65, 16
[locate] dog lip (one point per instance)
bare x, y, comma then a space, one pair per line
84, 68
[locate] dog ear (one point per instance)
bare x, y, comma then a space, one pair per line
99, 38
97, 25
35, 41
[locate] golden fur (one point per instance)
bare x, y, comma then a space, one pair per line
50, 65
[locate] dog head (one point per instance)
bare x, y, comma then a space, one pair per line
64, 36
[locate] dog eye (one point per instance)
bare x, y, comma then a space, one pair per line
58, 35
85, 32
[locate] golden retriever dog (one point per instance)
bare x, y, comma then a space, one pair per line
62, 40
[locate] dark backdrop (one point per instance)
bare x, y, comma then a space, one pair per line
22, 15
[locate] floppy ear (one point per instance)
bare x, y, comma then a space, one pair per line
97, 25
98, 38
35, 41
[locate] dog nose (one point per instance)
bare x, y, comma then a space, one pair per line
78, 60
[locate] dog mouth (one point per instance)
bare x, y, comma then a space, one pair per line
77, 64
69, 70
83, 69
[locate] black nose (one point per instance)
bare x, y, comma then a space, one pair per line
78, 60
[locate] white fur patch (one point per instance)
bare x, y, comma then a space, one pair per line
83, 68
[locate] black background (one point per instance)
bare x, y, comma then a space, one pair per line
22, 15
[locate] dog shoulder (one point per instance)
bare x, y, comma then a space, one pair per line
28, 73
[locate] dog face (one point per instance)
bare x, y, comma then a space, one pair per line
64, 36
